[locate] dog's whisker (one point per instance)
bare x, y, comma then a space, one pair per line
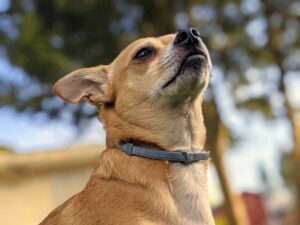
161, 63
167, 64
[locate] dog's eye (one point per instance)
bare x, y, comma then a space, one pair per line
144, 53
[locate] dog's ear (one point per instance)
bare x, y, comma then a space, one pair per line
89, 84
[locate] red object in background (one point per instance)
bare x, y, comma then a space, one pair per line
255, 208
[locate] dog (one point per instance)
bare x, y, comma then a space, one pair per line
151, 97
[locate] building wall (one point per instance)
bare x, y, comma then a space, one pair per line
29, 197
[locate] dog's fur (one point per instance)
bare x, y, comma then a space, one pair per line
136, 106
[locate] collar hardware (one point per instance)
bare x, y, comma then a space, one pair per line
186, 157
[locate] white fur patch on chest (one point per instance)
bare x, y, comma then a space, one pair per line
189, 188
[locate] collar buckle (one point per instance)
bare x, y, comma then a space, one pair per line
187, 159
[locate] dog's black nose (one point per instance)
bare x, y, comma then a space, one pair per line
187, 37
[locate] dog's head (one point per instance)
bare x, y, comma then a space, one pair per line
150, 74
170, 68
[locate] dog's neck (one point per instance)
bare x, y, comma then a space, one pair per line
171, 129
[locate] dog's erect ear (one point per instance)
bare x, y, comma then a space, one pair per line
90, 84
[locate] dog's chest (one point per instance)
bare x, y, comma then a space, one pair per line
190, 193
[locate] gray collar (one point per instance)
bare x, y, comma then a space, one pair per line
176, 156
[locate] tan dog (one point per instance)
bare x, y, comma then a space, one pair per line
150, 94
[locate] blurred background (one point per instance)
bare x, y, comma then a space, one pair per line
252, 107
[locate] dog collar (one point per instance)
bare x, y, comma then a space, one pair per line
176, 156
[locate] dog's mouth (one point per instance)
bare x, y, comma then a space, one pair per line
196, 56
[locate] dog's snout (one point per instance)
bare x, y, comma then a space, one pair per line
187, 37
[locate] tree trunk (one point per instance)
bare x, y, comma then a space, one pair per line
295, 126
233, 204
296, 154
